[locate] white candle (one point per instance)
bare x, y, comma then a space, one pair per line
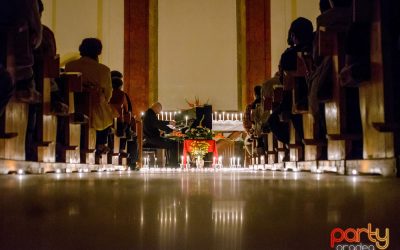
181, 159
236, 116
162, 116
223, 115
214, 160
238, 161
187, 160
219, 117
158, 116
241, 116
220, 160
186, 118
256, 160
262, 160
215, 115
170, 116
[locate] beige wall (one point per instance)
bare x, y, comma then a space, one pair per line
283, 12
73, 20
197, 41
197, 53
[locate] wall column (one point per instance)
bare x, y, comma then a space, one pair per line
136, 53
258, 44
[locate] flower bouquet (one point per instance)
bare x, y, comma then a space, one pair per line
198, 149
199, 132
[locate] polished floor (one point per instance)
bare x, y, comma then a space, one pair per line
222, 210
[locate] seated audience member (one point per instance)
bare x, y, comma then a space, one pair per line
96, 77
48, 49
152, 136
301, 35
267, 97
126, 123
248, 124
252, 119
22, 26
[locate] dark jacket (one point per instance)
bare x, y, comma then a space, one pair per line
152, 126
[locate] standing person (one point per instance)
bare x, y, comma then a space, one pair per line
152, 136
95, 77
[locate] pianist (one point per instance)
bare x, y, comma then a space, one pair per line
152, 128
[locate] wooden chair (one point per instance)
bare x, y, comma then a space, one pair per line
338, 115
69, 132
13, 122
46, 121
313, 146
377, 100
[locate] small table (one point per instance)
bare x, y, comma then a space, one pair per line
187, 147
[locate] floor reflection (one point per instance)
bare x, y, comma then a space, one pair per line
223, 210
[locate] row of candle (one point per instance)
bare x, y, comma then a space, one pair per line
255, 160
225, 116
235, 162
216, 116
167, 115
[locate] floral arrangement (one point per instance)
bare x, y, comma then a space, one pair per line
198, 149
196, 102
199, 133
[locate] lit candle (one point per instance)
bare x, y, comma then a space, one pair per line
170, 116
186, 118
142, 114
241, 116
187, 159
236, 116
162, 116
174, 115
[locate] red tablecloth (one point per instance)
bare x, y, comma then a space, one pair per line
187, 147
